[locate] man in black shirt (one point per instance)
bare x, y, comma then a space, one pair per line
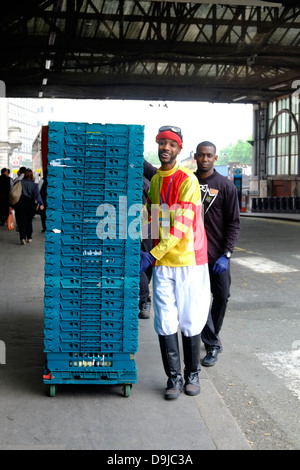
222, 224
146, 245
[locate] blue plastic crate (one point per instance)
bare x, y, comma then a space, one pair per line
62, 309
89, 336
72, 216
87, 137
63, 150
71, 157
100, 314
89, 295
89, 322
56, 331
93, 249
69, 138
92, 163
85, 257
93, 284
78, 183
89, 367
106, 303
71, 345
92, 203
96, 249
90, 269
88, 266
106, 178
79, 170
93, 197
55, 126
95, 160
95, 128
91, 238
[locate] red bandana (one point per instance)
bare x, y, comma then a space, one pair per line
169, 135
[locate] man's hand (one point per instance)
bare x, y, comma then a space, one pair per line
221, 265
146, 260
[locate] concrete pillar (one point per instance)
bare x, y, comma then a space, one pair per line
14, 139
4, 145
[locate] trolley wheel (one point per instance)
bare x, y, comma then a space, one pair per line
126, 390
52, 390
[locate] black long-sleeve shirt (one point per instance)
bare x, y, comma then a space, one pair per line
4, 188
149, 170
221, 214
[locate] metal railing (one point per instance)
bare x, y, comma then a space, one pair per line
276, 204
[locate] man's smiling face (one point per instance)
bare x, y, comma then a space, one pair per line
168, 151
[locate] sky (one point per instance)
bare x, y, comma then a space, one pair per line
221, 124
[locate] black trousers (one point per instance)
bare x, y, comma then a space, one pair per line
42, 213
220, 289
4, 210
145, 279
146, 276
25, 210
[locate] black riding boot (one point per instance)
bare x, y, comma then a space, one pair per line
171, 360
191, 351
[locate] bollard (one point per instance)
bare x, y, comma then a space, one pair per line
254, 205
277, 204
265, 204
290, 204
283, 204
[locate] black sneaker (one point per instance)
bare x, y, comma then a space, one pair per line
211, 357
144, 310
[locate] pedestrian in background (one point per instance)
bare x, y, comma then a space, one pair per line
10, 178
222, 225
43, 194
20, 174
26, 206
181, 290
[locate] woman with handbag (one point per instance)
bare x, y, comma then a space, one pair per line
25, 207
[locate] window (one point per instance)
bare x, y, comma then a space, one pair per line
282, 156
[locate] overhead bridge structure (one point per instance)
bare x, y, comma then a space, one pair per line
233, 51
228, 52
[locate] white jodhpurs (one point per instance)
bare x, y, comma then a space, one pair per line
181, 297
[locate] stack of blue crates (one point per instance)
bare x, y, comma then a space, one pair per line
92, 253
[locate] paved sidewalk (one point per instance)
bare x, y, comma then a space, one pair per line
274, 215
95, 416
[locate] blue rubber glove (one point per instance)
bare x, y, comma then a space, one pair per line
221, 265
146, 260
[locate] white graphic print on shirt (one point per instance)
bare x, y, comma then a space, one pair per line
208, 196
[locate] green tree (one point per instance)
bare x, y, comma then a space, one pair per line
152, 157
240, 152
